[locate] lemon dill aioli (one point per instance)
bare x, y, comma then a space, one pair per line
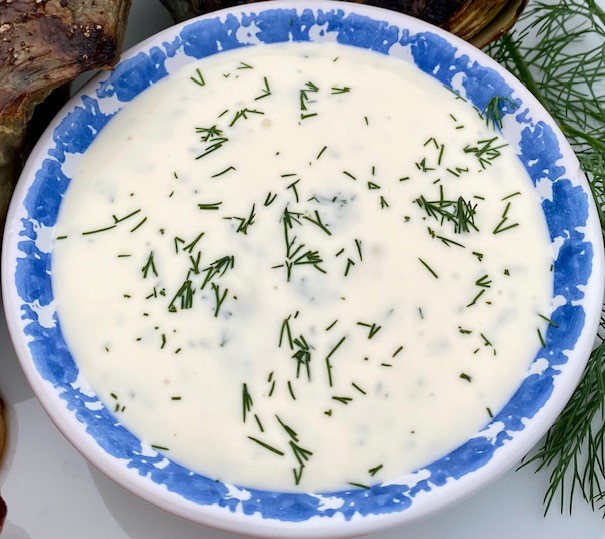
284, 284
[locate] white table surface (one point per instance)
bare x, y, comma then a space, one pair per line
53, 493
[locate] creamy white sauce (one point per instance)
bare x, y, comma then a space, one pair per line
431, 336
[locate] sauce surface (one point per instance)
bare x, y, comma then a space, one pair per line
302, 267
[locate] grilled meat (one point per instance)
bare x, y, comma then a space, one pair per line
43, 45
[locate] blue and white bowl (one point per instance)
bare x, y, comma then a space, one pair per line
54, 375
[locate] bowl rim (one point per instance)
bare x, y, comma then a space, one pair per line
222, 518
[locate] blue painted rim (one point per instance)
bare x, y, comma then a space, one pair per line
566, 213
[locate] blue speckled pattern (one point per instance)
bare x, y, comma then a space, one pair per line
565, 205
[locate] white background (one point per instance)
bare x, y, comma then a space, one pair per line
53, 493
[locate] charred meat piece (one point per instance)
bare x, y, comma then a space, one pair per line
43, 45
486, 19
2, 440
2, 513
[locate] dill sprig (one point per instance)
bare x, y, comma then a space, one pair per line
492, 114
296, 255
213, 137
200, 78
459, 212
184, 295
302, 356
577, 442
244, 222
218, 267
246, 402
485, 151
556, 50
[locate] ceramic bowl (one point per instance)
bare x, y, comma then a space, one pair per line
50, 368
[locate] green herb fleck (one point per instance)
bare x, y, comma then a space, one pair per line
210, 206
267, 446
149, 267
374, 328
340, 90
200, 78
265, 92
429, 268
218, 174
220, 298
494, 109
243, 113
359, 485
375, 470
246, 401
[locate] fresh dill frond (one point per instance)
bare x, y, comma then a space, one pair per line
556, 50
576, 443
459, 212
